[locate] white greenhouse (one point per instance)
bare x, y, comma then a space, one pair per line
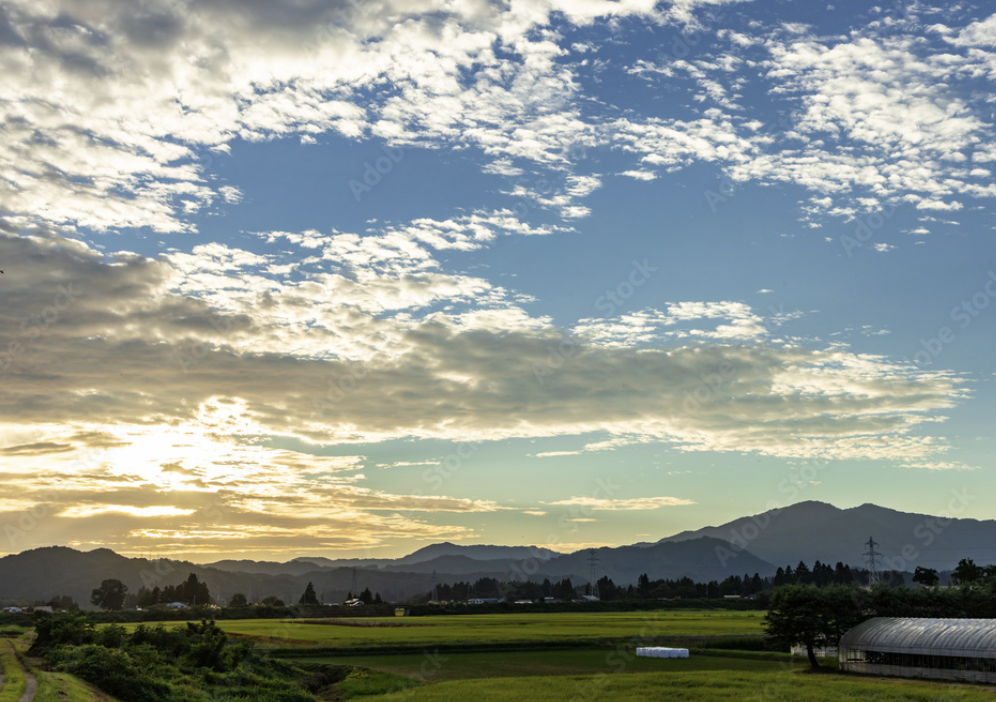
947, 649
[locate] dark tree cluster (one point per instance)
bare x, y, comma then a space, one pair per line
461, 591
189, 592
822, 575
818, 616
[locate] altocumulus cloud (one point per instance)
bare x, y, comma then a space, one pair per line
268, 350
496, 78
149, 385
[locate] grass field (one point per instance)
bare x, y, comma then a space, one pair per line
783, 686
570, 627
570, 657
434, 667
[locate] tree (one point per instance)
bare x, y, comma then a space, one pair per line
238, 600
926, 576
63, 602
309, 597
366, 596
811, 616
272, 601
967, 572
110, 594
192, 591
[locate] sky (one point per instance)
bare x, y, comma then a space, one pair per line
344, 278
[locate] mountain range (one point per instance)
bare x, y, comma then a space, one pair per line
806, 531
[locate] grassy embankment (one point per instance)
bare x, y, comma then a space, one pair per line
13, 676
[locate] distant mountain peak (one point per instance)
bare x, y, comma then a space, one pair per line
812, 530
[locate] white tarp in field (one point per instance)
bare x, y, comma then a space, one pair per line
661, 652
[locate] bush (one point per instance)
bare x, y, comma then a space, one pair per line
68, 630
112, 670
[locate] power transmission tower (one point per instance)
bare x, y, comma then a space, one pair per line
355, 593
872, 558
593, 561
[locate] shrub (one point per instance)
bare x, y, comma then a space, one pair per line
112, 670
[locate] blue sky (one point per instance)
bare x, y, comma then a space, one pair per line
345, 278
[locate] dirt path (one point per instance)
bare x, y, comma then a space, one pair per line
30, 681
31, 686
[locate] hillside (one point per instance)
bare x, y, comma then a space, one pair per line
812, 531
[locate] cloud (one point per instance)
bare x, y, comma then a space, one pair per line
365, 354
152, 388
639, 175
205, 73
639, 503
867, 107
939, 465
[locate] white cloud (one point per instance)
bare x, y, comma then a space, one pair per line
361, 353
638, 503
939, 465
639, 175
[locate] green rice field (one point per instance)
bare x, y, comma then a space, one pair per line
567, 628
569, 657
713, 686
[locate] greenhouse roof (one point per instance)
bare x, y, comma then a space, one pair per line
974, 638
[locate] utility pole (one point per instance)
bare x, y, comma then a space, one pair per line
592, 561
872, 557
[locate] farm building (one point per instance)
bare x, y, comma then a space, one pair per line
949, 649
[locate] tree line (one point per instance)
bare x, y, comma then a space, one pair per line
820, 575
817, 617
113, 594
